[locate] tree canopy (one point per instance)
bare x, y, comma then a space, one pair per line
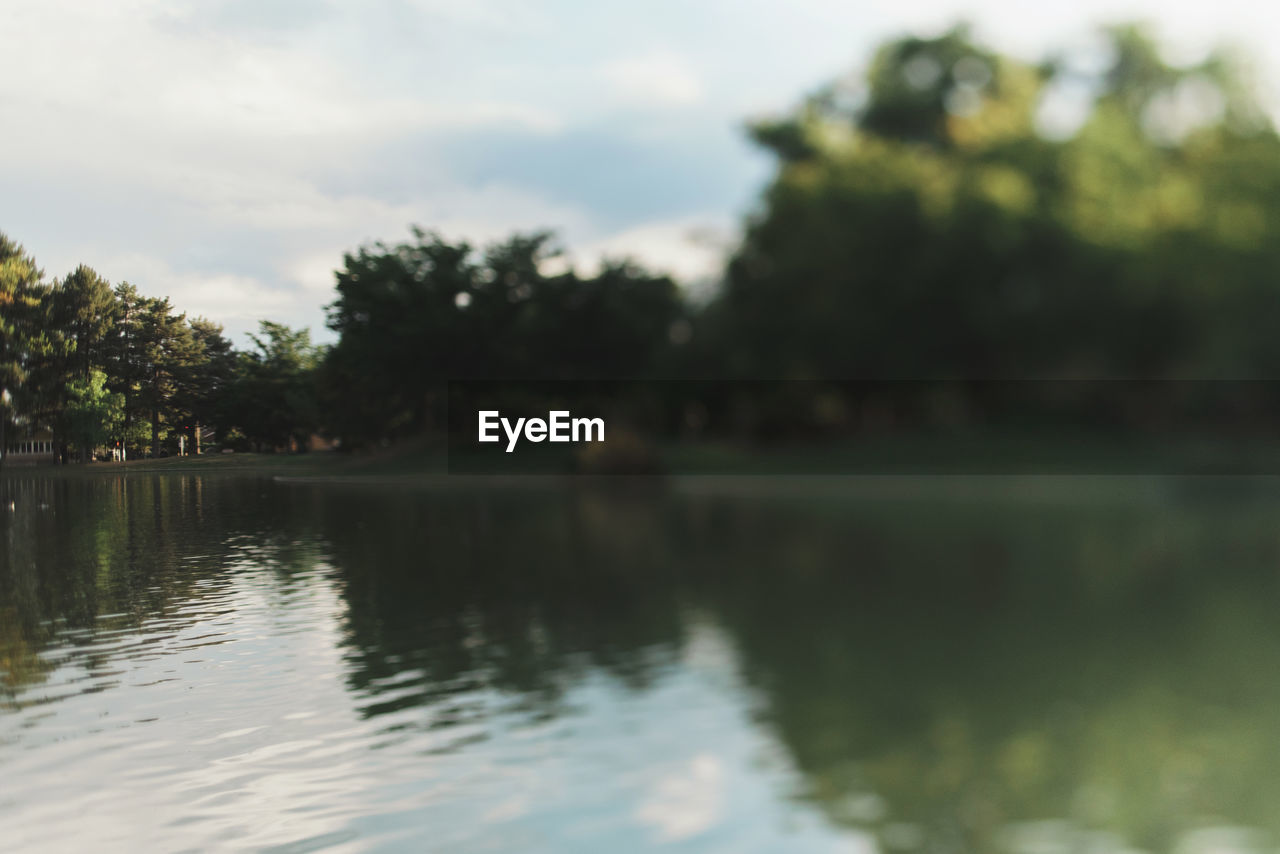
926, 224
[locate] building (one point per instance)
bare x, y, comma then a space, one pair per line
28, 446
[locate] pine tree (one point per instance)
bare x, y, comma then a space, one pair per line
168, 349
124, 348
83, 310
208, 379
22, 296
87, 310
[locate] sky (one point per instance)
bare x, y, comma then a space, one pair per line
227, 153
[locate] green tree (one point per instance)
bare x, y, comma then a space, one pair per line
167, 373
167, 351
127, 371
22, 336
208, 380
82, 311
86, 310
94, 415
274, 392
412, 317
927, 224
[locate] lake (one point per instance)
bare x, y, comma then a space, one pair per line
706, 664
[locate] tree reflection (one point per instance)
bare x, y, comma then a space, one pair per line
943, 672
941, 678
94, 554
520, 592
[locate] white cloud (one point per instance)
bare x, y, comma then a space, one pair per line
313, 273
660, 78
486, 15
106, 86
480, 215
238, 301
690, 248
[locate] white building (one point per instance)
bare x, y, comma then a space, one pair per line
29, 447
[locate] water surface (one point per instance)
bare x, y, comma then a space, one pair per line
851, 665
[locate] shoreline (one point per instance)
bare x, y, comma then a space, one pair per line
887, 457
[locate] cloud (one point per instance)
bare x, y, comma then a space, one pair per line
115, 87
654, 79
230, 298
487, 16
689, 248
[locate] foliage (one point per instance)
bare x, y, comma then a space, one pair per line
84, 309
931, 222
414, 316
274, 396
100, 365
21, 334
21, 295
93, 414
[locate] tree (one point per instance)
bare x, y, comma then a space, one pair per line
86, 309
167, 350
83, 310
413, 317
274, 393
127, 372
94, 415
97, 364
206, 381
21, 334
925, 225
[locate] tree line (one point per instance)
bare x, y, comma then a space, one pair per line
104, 367
948, 216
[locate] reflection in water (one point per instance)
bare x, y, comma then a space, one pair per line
906, 664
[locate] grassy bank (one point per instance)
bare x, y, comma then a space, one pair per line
903, 454
414, 460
